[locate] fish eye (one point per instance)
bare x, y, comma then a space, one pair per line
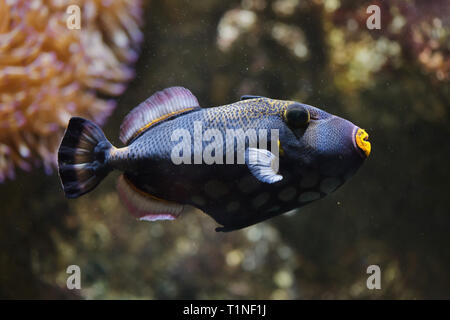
297, 116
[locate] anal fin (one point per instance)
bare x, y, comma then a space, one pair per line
145, 206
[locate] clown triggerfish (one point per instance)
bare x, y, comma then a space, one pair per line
240, 163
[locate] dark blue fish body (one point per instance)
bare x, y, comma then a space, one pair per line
240, 163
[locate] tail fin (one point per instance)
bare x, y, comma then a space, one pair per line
82, 157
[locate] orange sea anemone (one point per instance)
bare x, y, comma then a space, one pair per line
49, 72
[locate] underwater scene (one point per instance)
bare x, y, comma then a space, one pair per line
242, 149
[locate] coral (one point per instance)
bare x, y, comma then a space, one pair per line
49, 72
420, 29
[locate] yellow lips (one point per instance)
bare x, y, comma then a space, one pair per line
362, 141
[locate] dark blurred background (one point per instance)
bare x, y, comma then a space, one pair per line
394, 82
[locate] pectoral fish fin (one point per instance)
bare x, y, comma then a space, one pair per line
249, 96
263, 164
145, 206
160, 106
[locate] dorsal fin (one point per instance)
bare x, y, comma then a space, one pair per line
145, 206
160, 106
249, 96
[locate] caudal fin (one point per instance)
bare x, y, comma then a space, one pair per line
82, 157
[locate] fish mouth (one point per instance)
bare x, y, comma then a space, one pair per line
362, 142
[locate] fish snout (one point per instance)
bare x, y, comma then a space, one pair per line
361, 142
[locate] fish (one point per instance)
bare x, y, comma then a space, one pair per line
240, 163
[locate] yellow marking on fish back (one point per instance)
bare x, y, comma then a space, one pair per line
243, 112
148, 125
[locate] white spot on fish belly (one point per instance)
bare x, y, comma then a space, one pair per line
309, 196
215, 189
233, 206
309, 180
328, 185
261, 199
287, 194
247, 184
